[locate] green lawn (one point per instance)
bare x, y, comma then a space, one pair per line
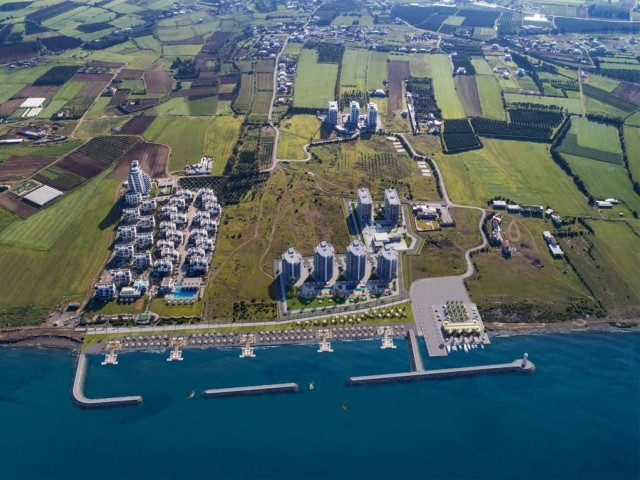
444, 88
354, 69
58, 268
520, 171
490, 98
175, 106
315, 82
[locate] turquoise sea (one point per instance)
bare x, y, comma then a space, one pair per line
576, 417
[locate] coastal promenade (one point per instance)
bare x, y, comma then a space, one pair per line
79, 398
252, 390
520, 365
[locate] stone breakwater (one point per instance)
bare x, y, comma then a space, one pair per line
252, 390
79, 398
516, 366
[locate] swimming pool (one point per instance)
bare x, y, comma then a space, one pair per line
180, 294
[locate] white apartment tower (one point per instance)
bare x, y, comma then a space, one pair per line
356, 261
354, 112
332, 113
139, 182
391, 206
323, 260
291, 265
364, 206
372, 115
387, 263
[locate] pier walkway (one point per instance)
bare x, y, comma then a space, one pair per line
520, 365
252, 390
414, 352
79, 398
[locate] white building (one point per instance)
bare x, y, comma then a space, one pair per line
364, 206
141, 261
124, 252
372, 116
126, 233
144, 240
121, 276
387, 263
323, 262
139, 182
332, 113
354, 112
105, 291
162, 267
291, 265
356, 261
391, 206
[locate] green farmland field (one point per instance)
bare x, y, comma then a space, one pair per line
354, 69
185, 138
220, 135
632, 143
592, 140
295, 133
604, 180
445, 88
490, 98
572, 105
520, 171
377, 70
315, 82
61, 249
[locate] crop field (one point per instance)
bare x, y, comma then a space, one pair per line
632, 144
185, 138
64, 239
243, 99
153, 159
571, 105
220, 135
264, 82
592, 140
295, 133
16, 167
468, 93
203, 106
315, 82
603, 83
445, 88
604, 180
137, 125
531, 273
608, 98
174, 106
377, 70
157, 81
607, 264
261, 103
520, 171
354, 69
490, 98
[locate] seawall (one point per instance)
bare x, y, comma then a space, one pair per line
79, 398
515, 366
253, 390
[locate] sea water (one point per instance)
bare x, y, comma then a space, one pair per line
577, 416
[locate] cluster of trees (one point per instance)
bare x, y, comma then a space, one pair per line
184, 68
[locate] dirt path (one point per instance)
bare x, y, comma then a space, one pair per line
275, 225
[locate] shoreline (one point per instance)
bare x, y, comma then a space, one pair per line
494, 330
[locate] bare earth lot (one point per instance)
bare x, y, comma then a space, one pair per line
82, 164
137, 125
91, 77
14, 204
397, 72
628, 91
19, 167
157, 81
153, 158
468, 92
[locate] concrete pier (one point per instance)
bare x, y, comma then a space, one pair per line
414, 352
79, 398
254, 390
515, 366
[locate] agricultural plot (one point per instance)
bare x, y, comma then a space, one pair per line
295, 133
354, 70
606, 263
632, 144
490, 97
628, 91
604, 180
244, 97
62, 239
592, 140
570, 105
521, 171
261, 103
264, 82
153, 158
397, 72
174, 106
137, 125
17, 167
457, 136
203, 106
444, 87
315, 82
608, 98
376, 70
468, 93
157, 81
